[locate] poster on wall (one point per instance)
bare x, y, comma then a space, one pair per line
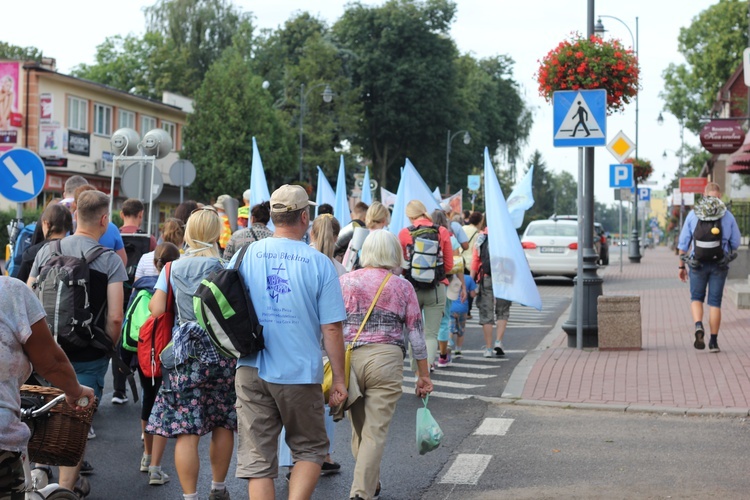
50, 140
78, 143
45, 107
10, 118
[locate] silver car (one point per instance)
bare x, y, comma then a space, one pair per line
551, 247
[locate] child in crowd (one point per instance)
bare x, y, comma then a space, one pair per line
459, 310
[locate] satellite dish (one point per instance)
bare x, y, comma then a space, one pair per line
157, 143
125, 142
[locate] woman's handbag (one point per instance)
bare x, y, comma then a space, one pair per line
327, 371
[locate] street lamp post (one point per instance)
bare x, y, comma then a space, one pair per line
634, 250
467, 140
680, 153
327, 97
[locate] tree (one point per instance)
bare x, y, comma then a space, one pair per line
543, 188
8, 51
712, 46
404, 68
565, 194
183, 38
230, 108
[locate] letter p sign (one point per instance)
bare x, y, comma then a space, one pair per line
621, 175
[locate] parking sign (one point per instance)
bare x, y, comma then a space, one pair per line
621, 175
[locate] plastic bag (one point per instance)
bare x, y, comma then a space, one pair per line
429, 433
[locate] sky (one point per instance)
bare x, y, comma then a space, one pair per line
526, 31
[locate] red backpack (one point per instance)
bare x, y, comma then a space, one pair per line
155, 334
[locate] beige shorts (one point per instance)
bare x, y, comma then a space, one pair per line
262, 409
489, 306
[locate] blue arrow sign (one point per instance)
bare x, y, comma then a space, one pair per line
22, 175
579, 118
621, 175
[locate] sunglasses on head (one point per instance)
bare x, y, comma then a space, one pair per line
210, 209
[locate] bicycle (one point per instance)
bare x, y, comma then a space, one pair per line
58, 437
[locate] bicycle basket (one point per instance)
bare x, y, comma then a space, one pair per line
59, 437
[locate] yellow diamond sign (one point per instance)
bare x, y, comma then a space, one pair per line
620, 146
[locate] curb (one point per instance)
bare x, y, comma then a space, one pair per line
514, 390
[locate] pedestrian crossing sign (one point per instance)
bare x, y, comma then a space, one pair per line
579, 118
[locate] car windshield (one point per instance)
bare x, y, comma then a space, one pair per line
553, 230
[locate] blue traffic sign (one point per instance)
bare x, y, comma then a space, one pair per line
621, 175
579, 118
644, 194
22, 175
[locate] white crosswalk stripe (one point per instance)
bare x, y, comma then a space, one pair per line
525, 317
466, 469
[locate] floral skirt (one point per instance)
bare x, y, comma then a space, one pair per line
198, 398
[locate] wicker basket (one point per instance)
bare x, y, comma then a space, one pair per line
60, 437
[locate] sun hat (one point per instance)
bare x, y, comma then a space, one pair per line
290, 197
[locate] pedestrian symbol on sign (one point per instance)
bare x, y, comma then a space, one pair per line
579, 122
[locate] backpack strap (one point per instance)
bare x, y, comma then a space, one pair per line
238, 262
255, 236
170, 293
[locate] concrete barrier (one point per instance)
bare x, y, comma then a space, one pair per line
619, 322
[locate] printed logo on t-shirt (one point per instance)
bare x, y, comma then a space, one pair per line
276, 285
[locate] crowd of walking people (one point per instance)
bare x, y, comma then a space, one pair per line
319, 289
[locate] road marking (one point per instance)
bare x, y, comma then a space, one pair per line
452, 373
493, 427
466, 469
481, 351
445, 383
436, 394
469, 365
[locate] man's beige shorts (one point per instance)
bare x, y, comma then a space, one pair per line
490, 308
262, 408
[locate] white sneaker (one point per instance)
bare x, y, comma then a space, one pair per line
487, 353
91, 434
499, 348
145, 462
157, 477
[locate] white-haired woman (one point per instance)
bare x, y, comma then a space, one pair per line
200, 396
379, 351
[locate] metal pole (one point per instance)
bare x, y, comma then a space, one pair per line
579, 278
301, 120
447, 162
19, 210
634, 253
182, 183
151, 194
620, 231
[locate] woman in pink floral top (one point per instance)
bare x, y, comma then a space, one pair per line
378, 355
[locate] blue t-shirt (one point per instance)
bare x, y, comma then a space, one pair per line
112, 239
463, 307
294, 289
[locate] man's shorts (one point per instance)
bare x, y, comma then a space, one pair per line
488, 304
708, 275
262, 408
91, 374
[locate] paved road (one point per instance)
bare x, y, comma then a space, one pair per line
456, 405
551, 453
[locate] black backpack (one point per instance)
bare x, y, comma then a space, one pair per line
425, 257
484, 256
136, 246
707, 241
63, 287
223, 308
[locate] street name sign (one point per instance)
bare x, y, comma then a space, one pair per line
22, 175
579, 118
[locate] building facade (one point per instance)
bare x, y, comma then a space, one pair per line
69, 122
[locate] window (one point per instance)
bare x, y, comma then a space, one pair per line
171, 129
126, 119
148, 123
78, 114
102, 119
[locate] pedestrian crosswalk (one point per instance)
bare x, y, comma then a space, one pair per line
528, 317
467, 468
464, 378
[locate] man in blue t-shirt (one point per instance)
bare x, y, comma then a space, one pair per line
296, 293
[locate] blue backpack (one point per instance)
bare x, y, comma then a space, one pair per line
23, 241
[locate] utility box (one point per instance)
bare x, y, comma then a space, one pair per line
619, 322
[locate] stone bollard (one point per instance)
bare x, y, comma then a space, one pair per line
619, 322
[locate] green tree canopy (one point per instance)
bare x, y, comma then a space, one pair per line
8, 51
231, 107
712, 46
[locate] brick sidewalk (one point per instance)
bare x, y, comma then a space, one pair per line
669, 372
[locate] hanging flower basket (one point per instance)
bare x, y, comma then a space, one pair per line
642, 169
584, 64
